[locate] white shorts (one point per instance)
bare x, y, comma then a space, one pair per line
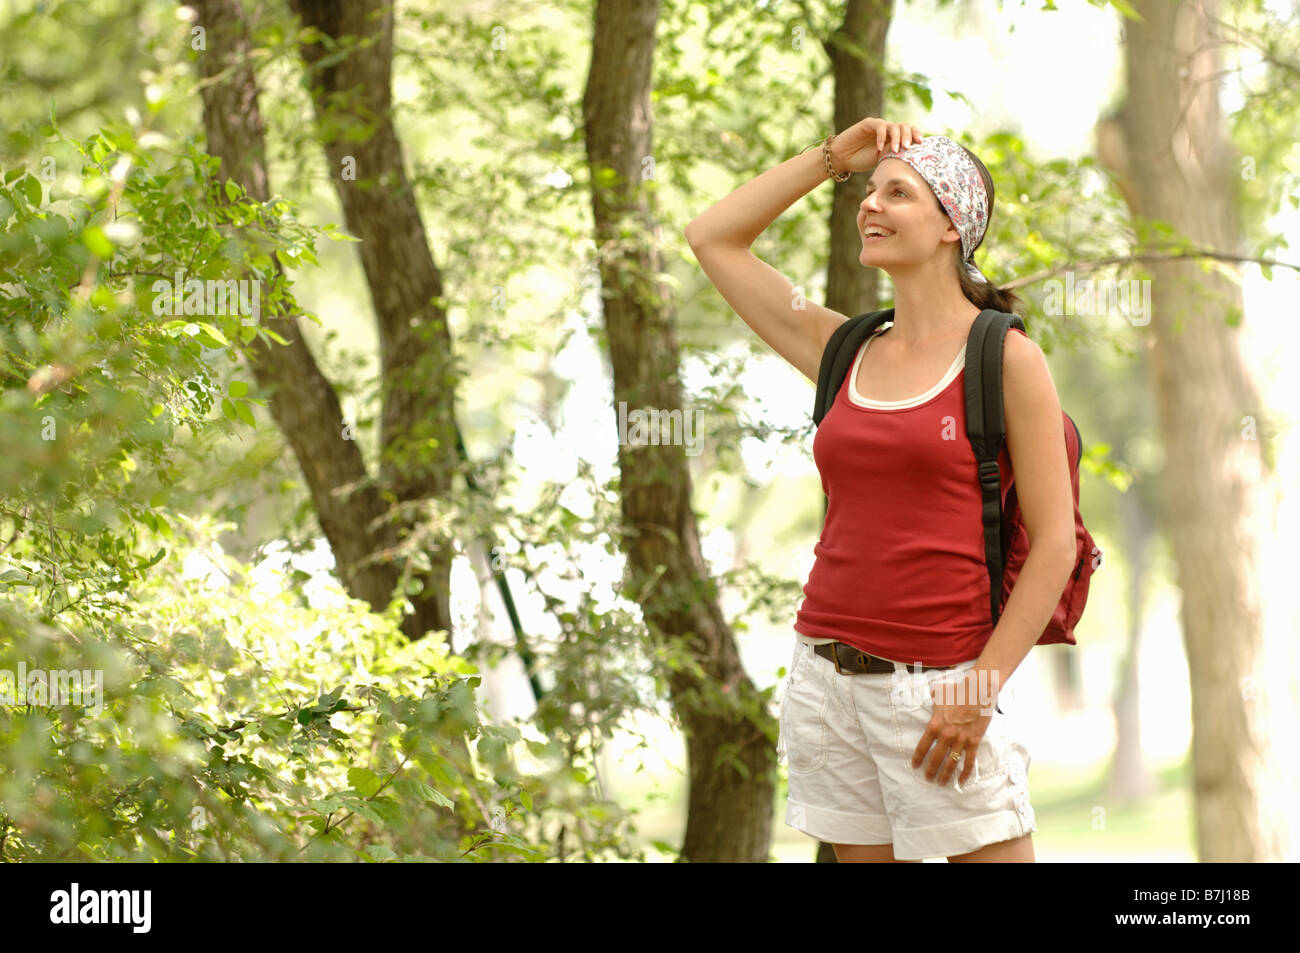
849, 740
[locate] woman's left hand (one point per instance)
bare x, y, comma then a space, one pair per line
953, 728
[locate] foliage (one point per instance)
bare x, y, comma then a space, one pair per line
230, 726
251, 720
237, 725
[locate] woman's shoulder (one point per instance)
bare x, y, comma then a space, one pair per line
1025, 373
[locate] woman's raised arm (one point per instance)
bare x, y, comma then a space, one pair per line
720, 238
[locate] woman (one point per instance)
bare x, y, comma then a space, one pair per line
895, 715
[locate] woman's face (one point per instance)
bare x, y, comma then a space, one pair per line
902, 202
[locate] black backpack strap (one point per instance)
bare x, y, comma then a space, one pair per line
838, 356
986, 428
836, 360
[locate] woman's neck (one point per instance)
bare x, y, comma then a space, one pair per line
920, 319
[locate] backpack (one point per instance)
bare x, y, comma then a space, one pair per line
1006, 542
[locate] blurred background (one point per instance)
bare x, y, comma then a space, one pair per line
371, 571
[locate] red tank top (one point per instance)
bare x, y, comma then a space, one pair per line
899, 569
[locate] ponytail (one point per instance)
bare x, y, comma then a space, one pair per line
984, 294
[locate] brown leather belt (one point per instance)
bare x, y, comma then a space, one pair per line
851, 661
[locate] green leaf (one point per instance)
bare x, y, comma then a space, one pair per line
277, 728
364, 780
388, 809
513, 848
246, 415
437, 797
368, 812
440, 773
233, 191
228, 408
98, 243
215, 334
31, 188
237, 389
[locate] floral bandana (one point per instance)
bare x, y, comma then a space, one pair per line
957, 185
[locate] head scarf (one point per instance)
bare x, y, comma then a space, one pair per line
957, 184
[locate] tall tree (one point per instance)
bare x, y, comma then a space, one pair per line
349, 55
732, 772
1219, 489
857, 55
349, 505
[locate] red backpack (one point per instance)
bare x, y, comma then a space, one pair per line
1006, 542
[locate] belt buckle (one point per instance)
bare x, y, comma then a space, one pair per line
863, 657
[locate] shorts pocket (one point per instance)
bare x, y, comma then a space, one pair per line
791, 676
805, 737
913, 707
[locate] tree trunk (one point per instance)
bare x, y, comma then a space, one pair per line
1175, 165
728, 730
1067, 680
859, 92
352, 93
302, 402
